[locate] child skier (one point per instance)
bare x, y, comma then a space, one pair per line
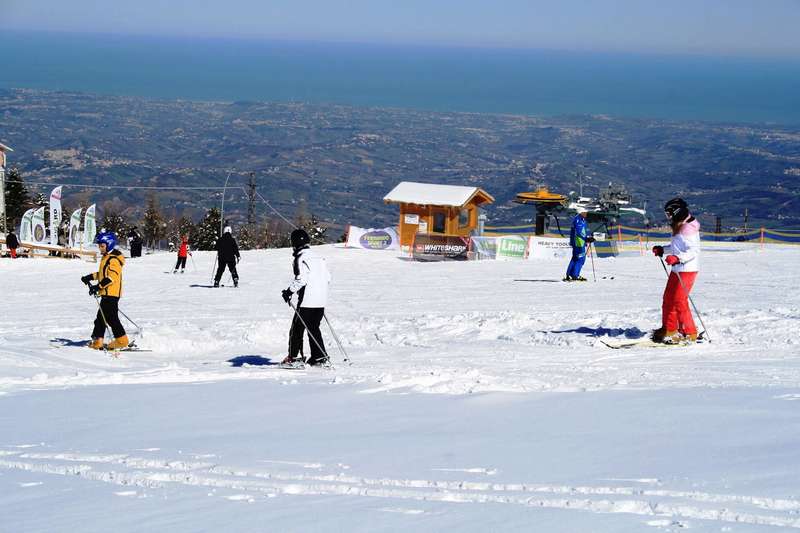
183, 252
311, 280
578, 241
12, 243
109, 288
677, 324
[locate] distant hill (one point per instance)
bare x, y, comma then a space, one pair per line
339, 161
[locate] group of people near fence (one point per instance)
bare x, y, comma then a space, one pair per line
311, 279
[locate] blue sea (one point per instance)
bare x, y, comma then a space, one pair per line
532, 82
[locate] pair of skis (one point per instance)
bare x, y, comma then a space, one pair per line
647, 342
132, 347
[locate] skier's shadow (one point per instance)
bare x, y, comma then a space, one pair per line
69, 342
629, 333
252, 360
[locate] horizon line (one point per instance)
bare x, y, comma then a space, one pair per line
790, 56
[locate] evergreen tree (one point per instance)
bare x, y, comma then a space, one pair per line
246, 237
40, 200
185, 226
113, 221
18, 199
315, 229
309, 222
154, 224
207, 231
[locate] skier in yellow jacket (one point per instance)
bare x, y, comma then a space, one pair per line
109, 288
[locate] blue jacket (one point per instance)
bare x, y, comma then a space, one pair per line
577, 235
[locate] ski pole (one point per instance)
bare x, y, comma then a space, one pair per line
141, 332
194, 265
214, 270
591, 257
699, 317
338, 343
310, 336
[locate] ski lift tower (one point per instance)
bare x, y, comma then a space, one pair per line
546, 203
3, 150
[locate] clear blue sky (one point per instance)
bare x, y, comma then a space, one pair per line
730, 27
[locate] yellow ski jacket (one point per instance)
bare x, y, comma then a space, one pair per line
109, 274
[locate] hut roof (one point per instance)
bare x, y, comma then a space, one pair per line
410, 192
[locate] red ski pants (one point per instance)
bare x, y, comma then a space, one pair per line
675, 312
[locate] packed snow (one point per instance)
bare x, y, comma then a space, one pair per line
480, 398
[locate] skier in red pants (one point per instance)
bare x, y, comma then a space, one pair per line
677, 324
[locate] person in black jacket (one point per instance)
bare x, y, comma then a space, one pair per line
135, 242
12, 243
227, 255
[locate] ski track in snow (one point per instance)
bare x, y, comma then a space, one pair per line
410, 328
253, 485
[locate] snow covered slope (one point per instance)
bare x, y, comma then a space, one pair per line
480, 398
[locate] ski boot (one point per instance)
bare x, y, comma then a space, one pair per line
293, 362
323, 362
118, 343
579, 278
95, 344
672, 337
568, 278
216, 284
236, 282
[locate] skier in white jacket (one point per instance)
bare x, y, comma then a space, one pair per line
677, 324
310, 283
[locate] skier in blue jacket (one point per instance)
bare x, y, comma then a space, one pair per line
578, 239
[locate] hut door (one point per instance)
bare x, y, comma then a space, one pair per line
439, 222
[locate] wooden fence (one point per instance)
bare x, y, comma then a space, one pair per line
44, 250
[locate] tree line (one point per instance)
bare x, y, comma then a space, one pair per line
159, 228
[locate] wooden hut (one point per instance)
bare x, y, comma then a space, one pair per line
436, 209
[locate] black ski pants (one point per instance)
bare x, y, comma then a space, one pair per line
181, 263
312, 317
221, 268
108, 314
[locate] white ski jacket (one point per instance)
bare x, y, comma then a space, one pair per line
686, 245
311, 279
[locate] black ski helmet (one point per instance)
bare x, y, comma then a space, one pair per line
299, 238
677, 210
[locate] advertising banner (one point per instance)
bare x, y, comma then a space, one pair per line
38, 228
483, 247
55, 215
439, 248
74, 229
511, 247
26, 226
373, 239
89, 228
548, 248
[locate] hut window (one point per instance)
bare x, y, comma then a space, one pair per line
463, 218
439, 219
